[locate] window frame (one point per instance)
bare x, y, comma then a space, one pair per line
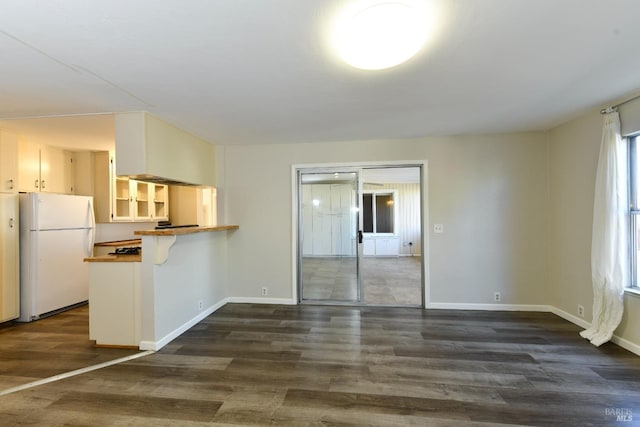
374, 194
634, 209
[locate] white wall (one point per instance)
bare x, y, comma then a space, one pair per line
196, 270
490, 192
573, 158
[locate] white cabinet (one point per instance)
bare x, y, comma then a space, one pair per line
9, 258
147, 201
328, 220
8, 162
114, 303
381, 246
43, 168
120, 199
9, 229
159, 195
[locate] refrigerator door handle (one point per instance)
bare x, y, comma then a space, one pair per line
92, 215
90, 241
92, 230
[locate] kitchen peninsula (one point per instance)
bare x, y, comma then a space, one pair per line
147, 301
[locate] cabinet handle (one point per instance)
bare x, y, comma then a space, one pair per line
42, 184
10, 222
10, 184
36, 183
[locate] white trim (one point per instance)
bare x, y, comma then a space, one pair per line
570, 317
632, 291
157, 345
488, 307
374, 212
624, 343
260, 300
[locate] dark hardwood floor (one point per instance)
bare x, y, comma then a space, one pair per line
319, 365
48, 347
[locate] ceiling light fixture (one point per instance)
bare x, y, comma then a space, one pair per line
381, 35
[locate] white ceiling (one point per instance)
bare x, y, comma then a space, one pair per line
261, 71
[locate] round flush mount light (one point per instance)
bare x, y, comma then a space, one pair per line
379, 35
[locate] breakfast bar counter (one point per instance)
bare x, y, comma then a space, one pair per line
115, 258
148, 299
184, 230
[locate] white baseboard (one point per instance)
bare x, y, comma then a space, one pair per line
261, 300
626, 344
157, 345
570, 317
488, 307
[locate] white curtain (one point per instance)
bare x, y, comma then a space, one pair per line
610, 234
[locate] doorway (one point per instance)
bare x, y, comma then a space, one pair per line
359, 235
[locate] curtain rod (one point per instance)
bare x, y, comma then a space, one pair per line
613, 108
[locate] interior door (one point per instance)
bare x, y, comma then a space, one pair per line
329, 237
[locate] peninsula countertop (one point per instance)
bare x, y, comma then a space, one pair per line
184, 230
115, 258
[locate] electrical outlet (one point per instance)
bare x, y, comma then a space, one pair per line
580, 310
438, 228
265, 291
200, 305
497, 297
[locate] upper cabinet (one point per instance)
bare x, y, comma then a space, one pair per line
120, 199
8, 162
152, 150
9, 258
44, 168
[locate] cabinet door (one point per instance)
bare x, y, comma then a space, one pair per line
122, 208
28, 167
53, 170
9, 258
142, 200
160, 204
387, 246
8, 163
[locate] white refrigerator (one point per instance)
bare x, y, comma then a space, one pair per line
56, 234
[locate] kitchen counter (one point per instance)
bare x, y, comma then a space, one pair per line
115, 258
105, 248
120, 243
184, 230
147, 301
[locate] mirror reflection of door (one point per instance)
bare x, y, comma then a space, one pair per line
382, 202
391, 265
329, 225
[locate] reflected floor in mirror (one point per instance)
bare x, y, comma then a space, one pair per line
385, 280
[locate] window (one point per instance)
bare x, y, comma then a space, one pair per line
378, 212
634, 209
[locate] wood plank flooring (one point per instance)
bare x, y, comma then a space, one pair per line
48, 347
321, 365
